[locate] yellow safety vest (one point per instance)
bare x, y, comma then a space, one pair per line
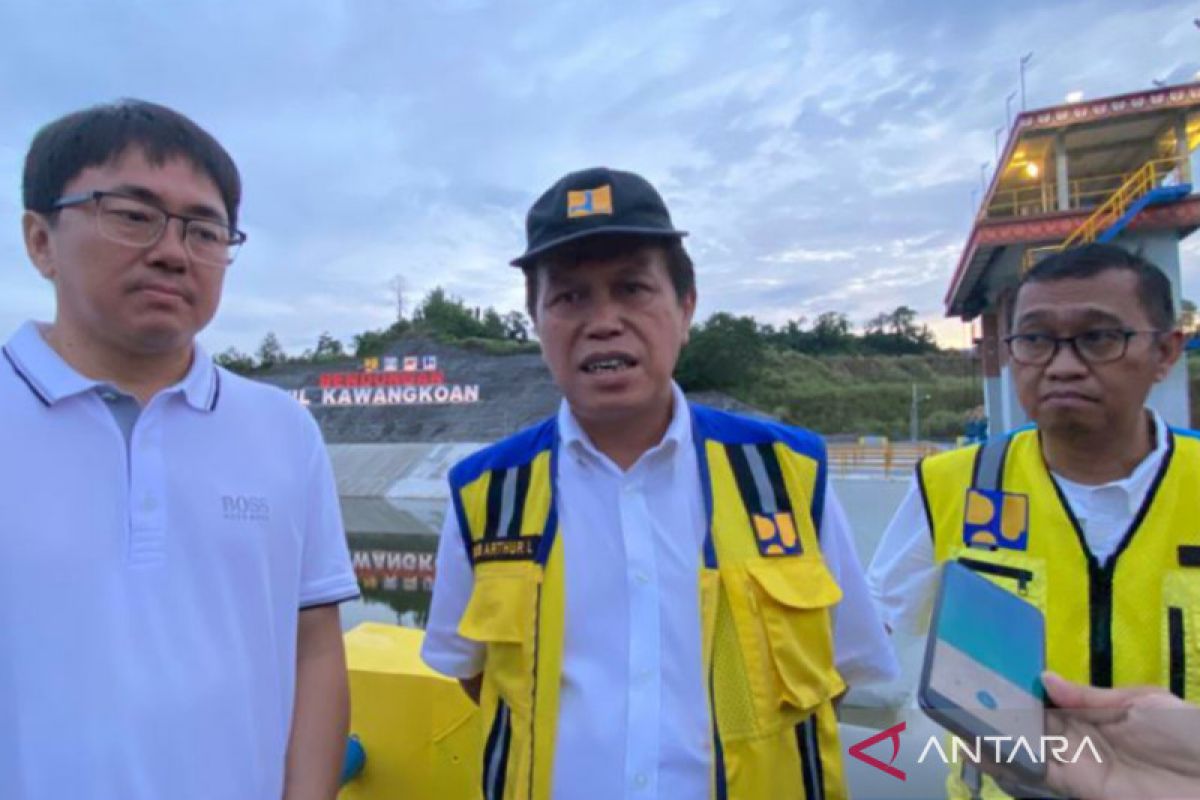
1132, 620
765, 599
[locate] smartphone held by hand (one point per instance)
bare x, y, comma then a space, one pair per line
981, 677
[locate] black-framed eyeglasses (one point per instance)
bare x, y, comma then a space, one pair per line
1097, 346
129, 220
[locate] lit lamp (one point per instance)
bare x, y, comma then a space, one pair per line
1032, 170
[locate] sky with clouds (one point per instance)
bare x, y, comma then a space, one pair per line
822, 154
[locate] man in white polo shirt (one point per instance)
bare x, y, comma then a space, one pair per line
171, 550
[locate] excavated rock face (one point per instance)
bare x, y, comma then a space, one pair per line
513, 390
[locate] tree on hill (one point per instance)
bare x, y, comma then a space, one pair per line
270, 352
723, 353
375, 343
832, 334
515, 326
328, 348
791, 335
447, 315
897, 333
235, 360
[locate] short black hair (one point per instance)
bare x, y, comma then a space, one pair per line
1089, 260
97, 135
679, 263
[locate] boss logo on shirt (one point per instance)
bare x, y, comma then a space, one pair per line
245, 508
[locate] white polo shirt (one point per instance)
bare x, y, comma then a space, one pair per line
633, 710
150, 590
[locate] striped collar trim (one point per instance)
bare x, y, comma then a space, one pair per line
51, 379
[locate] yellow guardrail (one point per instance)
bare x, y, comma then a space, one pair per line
878, 458
1138, 183
1042, 197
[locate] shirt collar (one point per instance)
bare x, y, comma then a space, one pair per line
677, 435
1135, 484
51, 379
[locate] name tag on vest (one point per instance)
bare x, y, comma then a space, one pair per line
522, 548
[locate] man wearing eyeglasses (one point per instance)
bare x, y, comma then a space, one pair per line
171, 550
1091, 515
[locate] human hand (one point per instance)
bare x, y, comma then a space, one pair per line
1148, 741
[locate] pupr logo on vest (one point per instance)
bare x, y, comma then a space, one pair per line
245, 508
589, 202
776, 534
998, 520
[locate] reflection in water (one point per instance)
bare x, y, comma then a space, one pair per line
395, 574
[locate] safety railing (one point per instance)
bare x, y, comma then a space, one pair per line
1138, 184
1042, 197
1135, 186
878, 458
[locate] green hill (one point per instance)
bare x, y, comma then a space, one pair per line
822, 376
866, 394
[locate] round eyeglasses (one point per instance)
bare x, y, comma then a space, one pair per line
128, 220
1098, 346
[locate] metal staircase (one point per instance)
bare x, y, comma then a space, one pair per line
1143, 187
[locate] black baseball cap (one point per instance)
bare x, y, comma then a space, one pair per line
594, 202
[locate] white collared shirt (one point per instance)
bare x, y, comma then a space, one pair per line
903, 572
633, 710
151, 581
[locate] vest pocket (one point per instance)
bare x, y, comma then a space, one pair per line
502, 614
1181, 633
793, 600
1016, 572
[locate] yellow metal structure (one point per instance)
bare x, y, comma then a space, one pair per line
418, 728
878, 456
1135, 186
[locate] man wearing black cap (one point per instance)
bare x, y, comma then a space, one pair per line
640, 592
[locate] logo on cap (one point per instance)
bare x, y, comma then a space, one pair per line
589, 202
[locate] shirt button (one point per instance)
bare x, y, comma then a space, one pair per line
642, 577
149, 504
641, 780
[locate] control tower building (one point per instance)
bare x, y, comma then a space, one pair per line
1116, 169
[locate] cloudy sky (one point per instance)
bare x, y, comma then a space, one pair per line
823, 154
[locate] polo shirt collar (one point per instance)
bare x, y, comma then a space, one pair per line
202, 385
678, 433
1133, 487
51, 379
